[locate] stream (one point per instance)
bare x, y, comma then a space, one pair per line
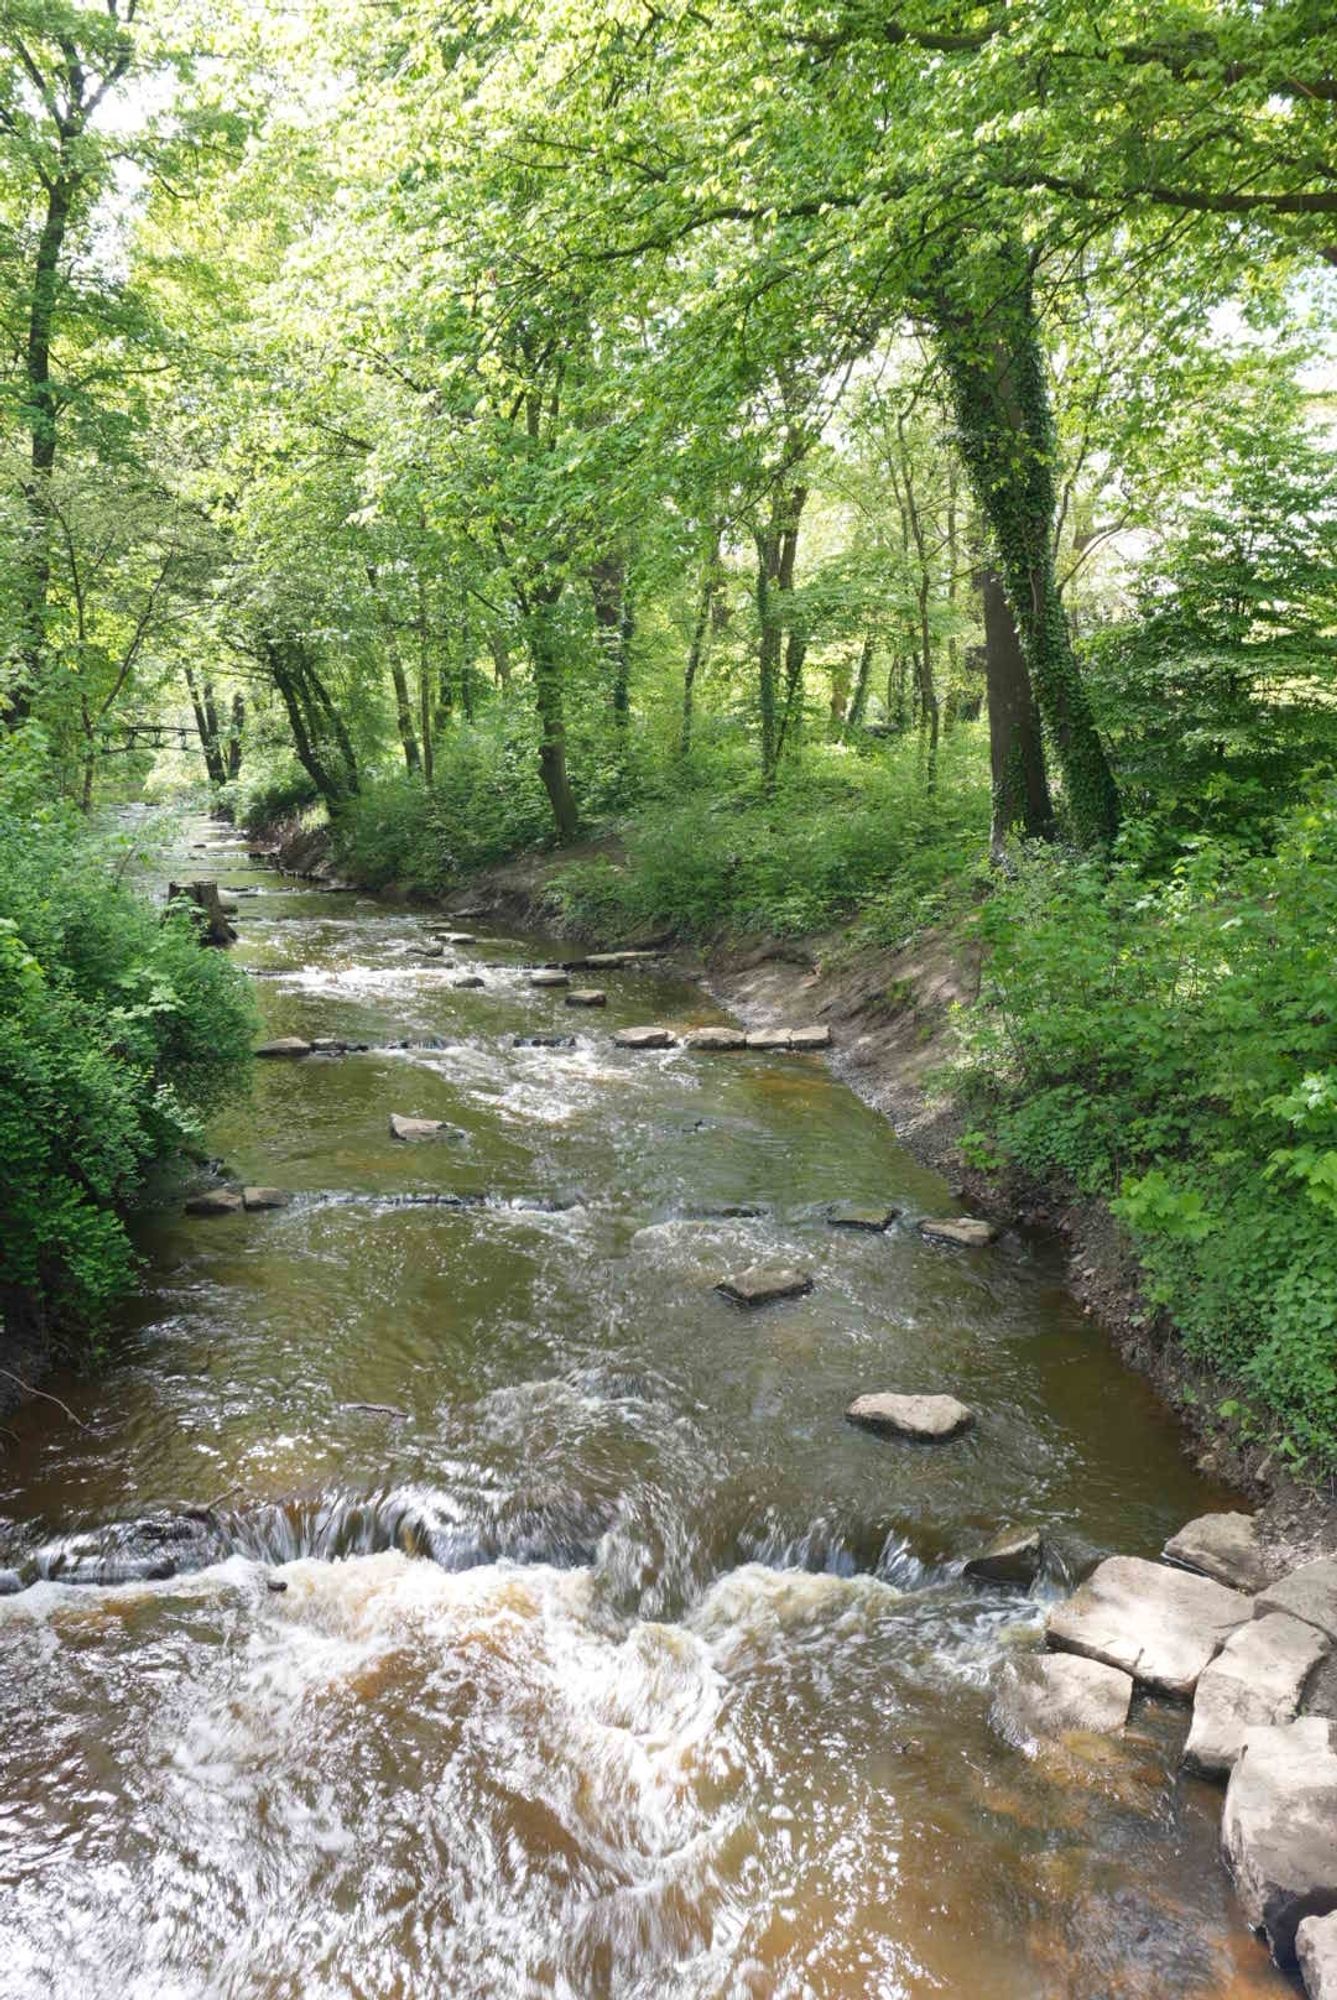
609, 1661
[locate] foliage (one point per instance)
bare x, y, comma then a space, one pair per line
1168, 1040
117, 1034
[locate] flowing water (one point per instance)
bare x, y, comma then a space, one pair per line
610, 1660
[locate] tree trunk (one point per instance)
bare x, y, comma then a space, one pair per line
318, 733
614, 623
700, 646
1016, 746
857, 709
236, 729
42, 413
552, 720
777, 555
995, 365
206, 724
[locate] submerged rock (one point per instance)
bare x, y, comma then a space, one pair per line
411, 1129
1316, 1950
726, 1039
851, 1215
587, 996
643, 1038
1258, 1677
216, 1201
333, 1045
549, 976
1279, 1828
544, 1041
468, 984
926, 1419
431, 951
264, 1197
286, 1045
1224, 1546
1309, 1592
966, 1231
1044, 1695
765, 1283
1016, 1556
1159, 1624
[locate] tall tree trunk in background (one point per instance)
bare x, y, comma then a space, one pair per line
206, 724
408, 742
1021, 801
539, 607
953, 643
41, 414
614, 622
425, 716
700, 644
777, 554
236, 730
857, 709
500, 650
996, 370
319, 736
913, 520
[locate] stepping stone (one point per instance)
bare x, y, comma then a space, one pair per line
643, 1038
715, 1038
768, 1038
1279, 1828
286, 1045
1316, 1949
1258, 1677
1045, 1695
849, 1215
550, 977
926, 1419
411, 1129
467, 985
543, 1041
810, 1038
1224, 1546
1160, 1625
966, 1231
1309, 1592
218, 1201
431, 951
1016, 1556
262, 1197
586, 996
764, 1283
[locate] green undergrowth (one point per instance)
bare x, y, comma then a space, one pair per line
1167, 1040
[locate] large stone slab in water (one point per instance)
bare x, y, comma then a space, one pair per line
1258, 1677
411, 1129
765, 1283
966, 1231
1159, 1624
1046, 1695
264, 1197
1316, 1949
1309, 1592
723, 1040
587, 996
643, 1038
926, 1419
286, 1045
1226, 1547
217, 1201
1279, 1828
550, 977
1016, 1556
768, 1038
875, 1218
810, 1038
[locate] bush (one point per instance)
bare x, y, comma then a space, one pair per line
117, 1033
1169, 1042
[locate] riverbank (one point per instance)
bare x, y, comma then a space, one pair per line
891, 1013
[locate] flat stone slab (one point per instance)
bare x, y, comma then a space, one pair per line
1224, 1546
966, 1231
1316, 1949
263, 1197
217, 1201
550, 978
764, 1283
286, 1045
411, 1129
726, 1040
810, 1038
586, 996
851, 1215
1016, 1556
768, 1038
1160, 1625
1309, 1592
1042, 1696
1258, 1677
643, 1038
926, 1419
1279, 1828
597, 961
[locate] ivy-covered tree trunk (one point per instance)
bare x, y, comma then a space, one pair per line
1021, 801
994, 360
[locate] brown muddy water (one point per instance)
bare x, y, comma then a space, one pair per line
616, 1663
